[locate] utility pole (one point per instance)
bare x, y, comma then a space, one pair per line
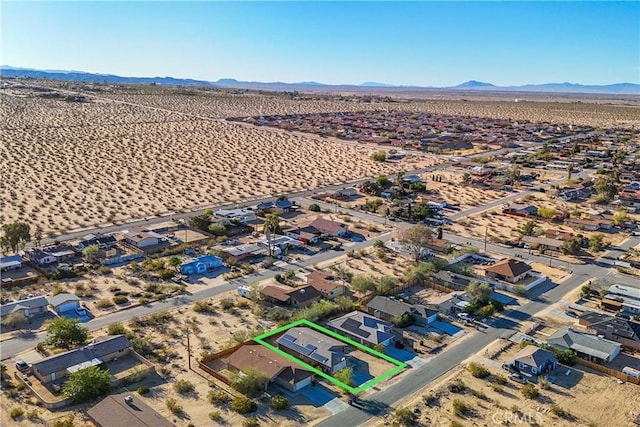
486, 227
188, 349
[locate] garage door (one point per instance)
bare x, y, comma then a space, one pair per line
67, 306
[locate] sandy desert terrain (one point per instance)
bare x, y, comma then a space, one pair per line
144, 150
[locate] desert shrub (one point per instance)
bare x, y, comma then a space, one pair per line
314, 207
460, 408
216, 416
104, 303
455, 423
104, 270
66, 422
404, 417
32, 415
218, 396
496, 387
477, 370
120, 299
529, 391
430, 399
457, 386
498, 379
174, 406
203, 307
183, 387
243, 405
558, 411
142, 390
116, 328
250, 422
226, 304
479, 394
279, 402
16, 413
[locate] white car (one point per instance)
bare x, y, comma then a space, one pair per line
465, 317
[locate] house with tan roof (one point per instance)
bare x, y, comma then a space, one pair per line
509, 270
297, 297
278, 369
327, 284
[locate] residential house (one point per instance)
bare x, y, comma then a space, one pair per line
391, 193
618, 329
98, 352
279, 207
519, 209
103, 242
64, 302
363, 328
304, 296
240, 252
452, 302
590, 223
11, 262
278, 369
509, 270
305, 235
141, 239
40, 257
315, 348
201, 264
542, 243
125, 410
296, 297
411, 179
330, 228
390, 309
533, 360
30, 307
586, 346
344, 194
452, 280
240, 215
327, 284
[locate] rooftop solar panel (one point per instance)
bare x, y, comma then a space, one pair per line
353, 326
319, 358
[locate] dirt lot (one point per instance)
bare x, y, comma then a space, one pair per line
589, 398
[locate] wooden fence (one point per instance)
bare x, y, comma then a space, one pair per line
609, 371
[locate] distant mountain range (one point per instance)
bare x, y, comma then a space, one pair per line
472, 85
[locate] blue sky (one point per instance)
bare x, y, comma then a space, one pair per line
411, 43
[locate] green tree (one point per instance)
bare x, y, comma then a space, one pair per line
200, 222
364, 284
272, 223
379, 156
415, 239
14, 319
620, 217
174, 262
37, 235
566, 357
250, 382
596, 242
314, 207
404, 320
385, 284
87, 384
480, 291
383, 182
279, 402
606, 188
217, 229
486, 311
64, 333
514, 175
91, 253
546, 212
570, 246
420, 273
15, 236
345, 375
243, 405
528, 228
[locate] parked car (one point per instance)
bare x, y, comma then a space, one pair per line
465, 317
507, 367
22, 366
518, 378
571, 313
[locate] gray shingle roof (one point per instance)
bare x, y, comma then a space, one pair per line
362, 325
585, 343
326, 350
35, 302
534, 356
98, 348
59, 299
389, 306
